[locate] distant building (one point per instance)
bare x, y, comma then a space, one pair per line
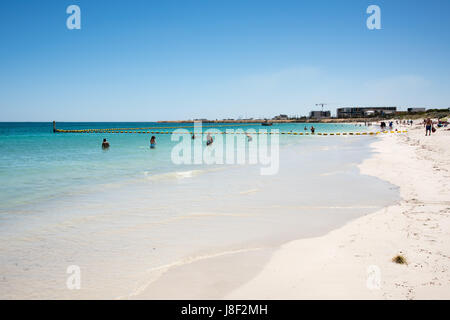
357, 112
417, 110
320, 114
281, 117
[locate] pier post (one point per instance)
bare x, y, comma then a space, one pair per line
54, 126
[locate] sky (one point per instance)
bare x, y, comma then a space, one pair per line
148, 60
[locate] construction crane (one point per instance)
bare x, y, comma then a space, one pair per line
321, 104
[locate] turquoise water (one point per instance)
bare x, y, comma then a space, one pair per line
37, 165
125, 214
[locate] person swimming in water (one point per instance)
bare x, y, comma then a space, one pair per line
105, 144
209, 139
249, 137
313, 129
153, 142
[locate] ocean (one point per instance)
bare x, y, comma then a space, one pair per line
124, 214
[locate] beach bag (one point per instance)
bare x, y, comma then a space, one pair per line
433, 129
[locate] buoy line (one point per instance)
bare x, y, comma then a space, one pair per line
141, 131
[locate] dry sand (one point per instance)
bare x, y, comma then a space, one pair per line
355, 261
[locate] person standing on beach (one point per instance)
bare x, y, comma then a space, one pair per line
428, 126
153, 142
105, 144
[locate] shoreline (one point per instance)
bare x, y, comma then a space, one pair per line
219, 275
221, 211
355, 261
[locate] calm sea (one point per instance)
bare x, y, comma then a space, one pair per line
123, 213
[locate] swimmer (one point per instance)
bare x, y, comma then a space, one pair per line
249, 137
209, 139
153, 142
313, 129
105, 144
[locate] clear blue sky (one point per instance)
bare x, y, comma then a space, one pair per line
154, 60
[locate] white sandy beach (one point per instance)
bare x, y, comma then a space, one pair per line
355, 261
348, 228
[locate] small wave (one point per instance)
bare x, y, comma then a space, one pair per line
179, 174
176, 219
328, 207
157, 272
209, 214
249, 191
332, 173
173, 175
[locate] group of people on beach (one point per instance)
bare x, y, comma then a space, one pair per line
405, 122
427, 123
